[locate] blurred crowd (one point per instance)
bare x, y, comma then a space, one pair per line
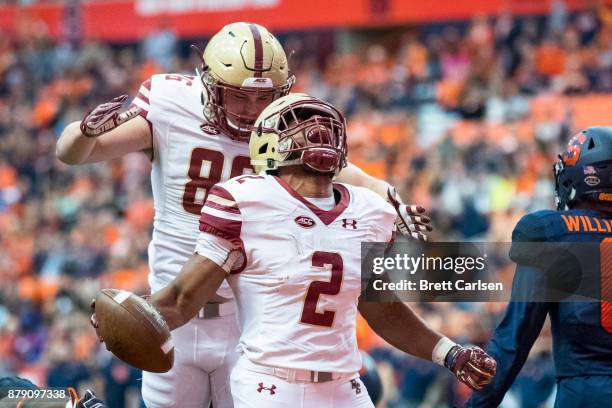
465, 118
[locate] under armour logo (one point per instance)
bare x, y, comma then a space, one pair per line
356, 386
346, 223
271, 389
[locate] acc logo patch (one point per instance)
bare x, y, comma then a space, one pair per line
304, 221
210, 129
592, 180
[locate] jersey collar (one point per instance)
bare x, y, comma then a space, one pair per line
327, 217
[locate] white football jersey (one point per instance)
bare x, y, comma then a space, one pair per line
189, 157
298, 287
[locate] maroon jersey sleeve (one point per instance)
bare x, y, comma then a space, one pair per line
221, 216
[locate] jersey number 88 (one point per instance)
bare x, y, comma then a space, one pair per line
215, 162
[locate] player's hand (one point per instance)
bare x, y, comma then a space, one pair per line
106, 117
471, 365
94, 322
411, 219
89, 400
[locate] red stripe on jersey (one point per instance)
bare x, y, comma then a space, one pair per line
221, 207
211, 224
230, 228
144, 113
147, 84
258, 50
143, 98
221, 192
236, 241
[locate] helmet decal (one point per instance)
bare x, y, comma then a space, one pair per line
244, 68
584, 171
574, 148
258, 51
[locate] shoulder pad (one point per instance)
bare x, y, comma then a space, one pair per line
369, 198
537, 240
539, 226
247, 187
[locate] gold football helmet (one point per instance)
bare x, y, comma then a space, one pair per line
299, 129
244, 69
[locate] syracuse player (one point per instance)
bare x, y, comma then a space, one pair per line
289, 245
582, 331
194, 129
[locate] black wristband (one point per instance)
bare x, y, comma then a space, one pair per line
451, 357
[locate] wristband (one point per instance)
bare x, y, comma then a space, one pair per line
441, 349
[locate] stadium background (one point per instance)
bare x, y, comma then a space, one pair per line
463, 105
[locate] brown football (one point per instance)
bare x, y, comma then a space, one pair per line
134, 331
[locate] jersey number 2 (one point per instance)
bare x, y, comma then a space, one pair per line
605, 255
317, 288
212, 161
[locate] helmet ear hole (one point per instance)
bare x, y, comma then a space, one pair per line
591, 144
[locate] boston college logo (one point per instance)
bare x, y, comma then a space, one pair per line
304, 221
271, 389
349, 223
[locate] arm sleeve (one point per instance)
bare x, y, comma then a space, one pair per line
513, 339
142, 98
220, 227
220, 251
142, 101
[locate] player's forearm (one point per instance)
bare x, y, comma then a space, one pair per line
401, 327
353, 175
181, 300
72, 147
166, 303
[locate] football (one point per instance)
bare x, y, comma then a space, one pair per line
134, 331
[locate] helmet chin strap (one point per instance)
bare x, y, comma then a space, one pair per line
234, 126
206, 107
275, 164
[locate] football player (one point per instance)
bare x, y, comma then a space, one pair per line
195, 129
288, 243
581, 331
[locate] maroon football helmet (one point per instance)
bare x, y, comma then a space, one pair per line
308, 131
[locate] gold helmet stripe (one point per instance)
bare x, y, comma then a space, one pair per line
258, 68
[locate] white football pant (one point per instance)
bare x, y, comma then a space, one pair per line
251, 389
204, 355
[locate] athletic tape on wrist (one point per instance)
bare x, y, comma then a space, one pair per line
441, 349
